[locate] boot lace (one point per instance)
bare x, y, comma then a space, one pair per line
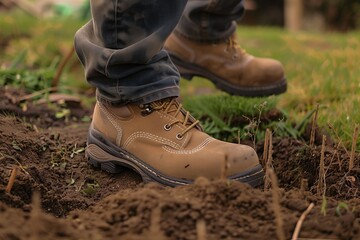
173, 108
234, 46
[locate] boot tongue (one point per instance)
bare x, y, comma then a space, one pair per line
172, 107
163, 103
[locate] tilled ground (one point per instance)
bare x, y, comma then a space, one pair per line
80, 202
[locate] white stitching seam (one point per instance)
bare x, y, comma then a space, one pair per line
113, 122
192, 151
170, 119
151, 137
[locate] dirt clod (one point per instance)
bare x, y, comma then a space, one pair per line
75, 201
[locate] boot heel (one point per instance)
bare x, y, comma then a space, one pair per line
106, 166
187, 76
92, 152
93, 162
111, 167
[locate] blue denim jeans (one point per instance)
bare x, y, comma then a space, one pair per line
121, 47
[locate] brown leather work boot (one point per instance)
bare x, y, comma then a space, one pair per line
164, 143
228, 66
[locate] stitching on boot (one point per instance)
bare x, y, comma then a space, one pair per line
113, 122
170, 119
151, 137
191, 151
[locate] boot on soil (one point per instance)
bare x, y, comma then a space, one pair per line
164, 143
228, 66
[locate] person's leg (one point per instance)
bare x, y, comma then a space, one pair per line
205, 44
210, 20
121, 49
137, 121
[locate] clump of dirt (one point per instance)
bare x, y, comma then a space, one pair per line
16, 224
227, 210
230, 210
80, 202
43, 114
52, 162
295, 160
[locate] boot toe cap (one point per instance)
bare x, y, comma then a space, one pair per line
241, 158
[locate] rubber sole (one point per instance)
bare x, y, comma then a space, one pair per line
189, 70
111, 158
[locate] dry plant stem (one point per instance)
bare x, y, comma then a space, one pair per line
313, 127
41, 92
270, 152
321, 183
56, 79
238, 137
304, 186
331, 127
353, 147
266, 145
12, 158
155, 222
201, 230
36, 215
11, 180
300, 222
276, 205
268, 164
224, 168
332, 158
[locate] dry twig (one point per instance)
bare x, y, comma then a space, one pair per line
11, 180
201, 230
321, 183
353, 147
276, 205
224, 168
36, 215
3, 156
155, 221
268, 163
300, 222
304, 186
313, 127
266, 145
339, 140
60, 69
41, 92
270, 151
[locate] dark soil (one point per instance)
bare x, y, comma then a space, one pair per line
80, 202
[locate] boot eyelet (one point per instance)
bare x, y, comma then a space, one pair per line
167, 127
226, 50
179, 136
235, 57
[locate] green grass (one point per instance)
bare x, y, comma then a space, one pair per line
33, 48
230, 117
321, 68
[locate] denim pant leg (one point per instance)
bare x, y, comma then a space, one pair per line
210, 20
121, 48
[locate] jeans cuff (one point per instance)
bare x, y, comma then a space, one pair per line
207, 38
172, 91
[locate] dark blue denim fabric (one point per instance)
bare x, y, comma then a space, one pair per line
122, 51
210, 20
